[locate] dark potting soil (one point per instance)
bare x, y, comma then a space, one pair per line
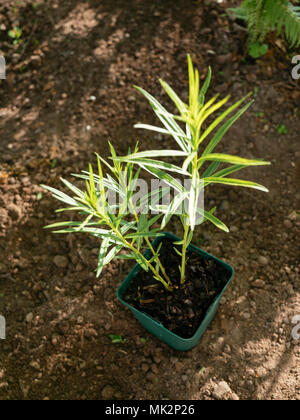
182, 310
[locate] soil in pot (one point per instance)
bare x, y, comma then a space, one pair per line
182, 310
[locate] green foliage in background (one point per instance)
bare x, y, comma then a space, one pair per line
15, 34
264, 16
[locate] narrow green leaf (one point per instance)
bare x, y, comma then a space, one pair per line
188, 161
72, 187
101, 184
102, 255
126, 257
228, 171
153, 233
205, 87
235, 182
193, 200
153, 197
152, 154
163, 176
218, 120
177, 252
190, 238
195, 106
112, 254
142, 225
166, 118
143, 162
109, 183
126, 226
173, 208
153, 220
179, 243
85, 223
181, 106
92, 182
191, 80
217, 222
220, 157
223, 130
100, 233
161, 130
211, 169
67, 223
81, 208
211, 110
105, 163
61, 196
207, 106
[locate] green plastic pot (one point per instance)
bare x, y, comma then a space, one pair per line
156, 328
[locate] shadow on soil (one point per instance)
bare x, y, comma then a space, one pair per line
59, 319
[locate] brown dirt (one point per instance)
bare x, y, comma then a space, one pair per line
59, 316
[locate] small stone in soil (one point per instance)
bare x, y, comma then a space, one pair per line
61, 261
288, 224
220, 390
191, 314
154, 369
2, 268
234, 229
14, 211
107, 392
260, 284
145, 368
227, 349
35, 365
263, 260
29, 317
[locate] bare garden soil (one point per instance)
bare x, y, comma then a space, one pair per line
69, 89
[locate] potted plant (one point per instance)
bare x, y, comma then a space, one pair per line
175, 288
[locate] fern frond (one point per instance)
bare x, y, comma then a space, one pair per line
292, 24
264, 16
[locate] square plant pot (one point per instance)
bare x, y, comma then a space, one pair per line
156, 328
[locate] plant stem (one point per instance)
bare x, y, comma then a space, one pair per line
187, 225
158, 260
140, 256
152, 249
184, 249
